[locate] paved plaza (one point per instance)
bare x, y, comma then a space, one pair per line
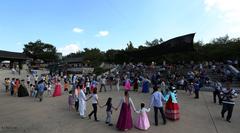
20, 115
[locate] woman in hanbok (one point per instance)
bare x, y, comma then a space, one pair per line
125, 121
135, 84
58, 89
172, 107
22, 90
145, 85
127, 85
142, 119
82, 102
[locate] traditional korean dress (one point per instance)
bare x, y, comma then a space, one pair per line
82, 103
127, 85
172, 107
135, 84
142, 119
22, 91
57, 90
125, 117
145, 86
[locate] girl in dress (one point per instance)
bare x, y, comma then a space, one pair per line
125, 122
142, 119
109, 111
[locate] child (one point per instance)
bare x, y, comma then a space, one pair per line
66, 85
109, 111
49, 89
142, 120
70, 101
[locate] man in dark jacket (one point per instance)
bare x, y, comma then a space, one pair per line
228, 101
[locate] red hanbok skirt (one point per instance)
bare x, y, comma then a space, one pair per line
172, 110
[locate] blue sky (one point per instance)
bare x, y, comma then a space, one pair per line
71, 25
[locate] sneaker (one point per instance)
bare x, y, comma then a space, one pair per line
97, 120
82, 117
110, 124
106, 122
229, 121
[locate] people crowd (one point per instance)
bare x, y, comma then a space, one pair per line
163, 83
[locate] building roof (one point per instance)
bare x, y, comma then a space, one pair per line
7, 55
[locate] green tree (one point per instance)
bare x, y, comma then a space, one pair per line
110, 55
40, 50
221, 40
130, 46
93, 56
154, 42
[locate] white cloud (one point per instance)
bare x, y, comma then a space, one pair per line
77, 30
102, 33
71, 48
228, 12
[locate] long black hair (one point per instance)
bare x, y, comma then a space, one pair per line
109, 101
126, 93
142, 105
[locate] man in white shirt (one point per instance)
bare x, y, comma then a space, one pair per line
103, 83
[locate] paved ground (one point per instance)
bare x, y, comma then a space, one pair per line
18, 115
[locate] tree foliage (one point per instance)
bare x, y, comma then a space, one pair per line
154, 42
40, 50
93, 57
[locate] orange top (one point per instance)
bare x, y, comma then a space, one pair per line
66, 85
